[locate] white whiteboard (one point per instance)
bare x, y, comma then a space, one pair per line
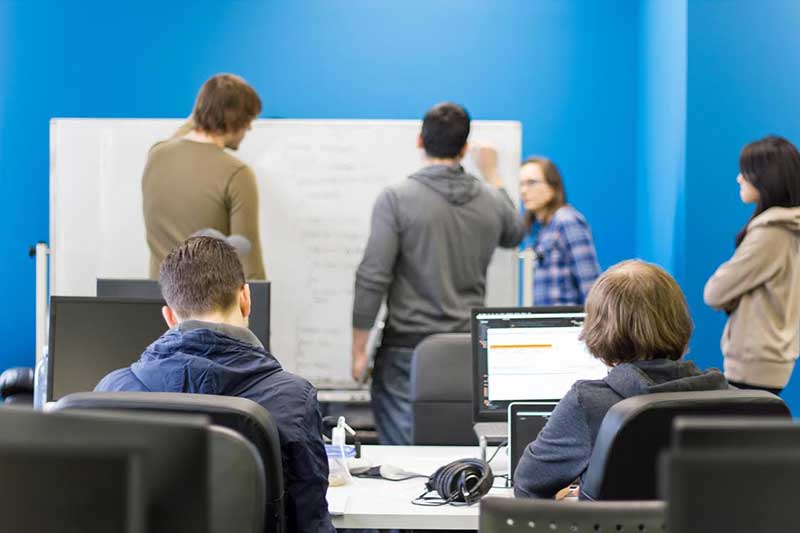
317, 182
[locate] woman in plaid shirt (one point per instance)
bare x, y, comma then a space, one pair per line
566, 262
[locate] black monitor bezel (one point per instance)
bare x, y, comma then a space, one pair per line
502, 413
79, 299
127, 286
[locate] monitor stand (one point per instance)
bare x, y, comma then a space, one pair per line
495, 433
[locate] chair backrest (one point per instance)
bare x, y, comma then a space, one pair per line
16, 386
239, 414
441, 390
237, 483
510, 515
725, 490
635, 431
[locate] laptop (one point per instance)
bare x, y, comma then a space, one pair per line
524, 354
525, 421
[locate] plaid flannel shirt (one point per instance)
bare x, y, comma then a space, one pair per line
566, 264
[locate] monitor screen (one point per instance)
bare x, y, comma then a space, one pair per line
527, 354
149, 289
90, 337
106, 457
89, 489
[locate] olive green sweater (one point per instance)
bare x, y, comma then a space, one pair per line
188, 186
760, 289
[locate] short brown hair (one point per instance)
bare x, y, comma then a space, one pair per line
225, 104
201, 275
552, 176
636, 311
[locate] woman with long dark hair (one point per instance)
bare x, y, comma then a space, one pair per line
759, 287
566, 261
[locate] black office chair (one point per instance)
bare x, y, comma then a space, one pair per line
441, 391
635, 430
510, 515
238, 414
16, 386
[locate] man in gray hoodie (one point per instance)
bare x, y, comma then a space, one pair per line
430, 244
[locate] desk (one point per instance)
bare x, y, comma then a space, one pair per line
382, 504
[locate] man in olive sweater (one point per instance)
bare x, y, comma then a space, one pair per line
191, 183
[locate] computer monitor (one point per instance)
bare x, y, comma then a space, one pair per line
92, 489
734, 433
136, 472
149, 289
90, 337
526, 354
728, 490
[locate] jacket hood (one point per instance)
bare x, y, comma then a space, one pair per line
450, 181
662, 375
785, 217
205, 358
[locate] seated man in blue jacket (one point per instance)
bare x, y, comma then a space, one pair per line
209, 350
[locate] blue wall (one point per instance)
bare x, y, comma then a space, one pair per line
661, 153
566, 69
743, 83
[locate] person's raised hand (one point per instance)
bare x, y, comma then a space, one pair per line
485, 157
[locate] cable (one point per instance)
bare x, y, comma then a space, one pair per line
501, 445
461, 482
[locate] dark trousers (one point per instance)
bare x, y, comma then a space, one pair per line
747, 386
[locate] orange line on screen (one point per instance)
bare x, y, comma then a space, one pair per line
500, 346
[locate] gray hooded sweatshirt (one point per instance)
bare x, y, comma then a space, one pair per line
561, 452
431, 241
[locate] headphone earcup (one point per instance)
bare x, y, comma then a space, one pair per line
463, 481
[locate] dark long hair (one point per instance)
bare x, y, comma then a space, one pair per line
553, 178
772, 166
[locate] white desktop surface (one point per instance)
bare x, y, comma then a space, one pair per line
383, 504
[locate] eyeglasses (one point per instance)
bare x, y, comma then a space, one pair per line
529, 183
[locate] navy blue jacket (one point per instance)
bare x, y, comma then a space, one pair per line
209, 358
562, 450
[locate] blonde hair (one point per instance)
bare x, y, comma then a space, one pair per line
636, 311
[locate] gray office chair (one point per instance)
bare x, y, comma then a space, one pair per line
510, 515
441, 391
236, 483
243, 416
636, 430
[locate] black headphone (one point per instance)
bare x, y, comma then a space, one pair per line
463, 481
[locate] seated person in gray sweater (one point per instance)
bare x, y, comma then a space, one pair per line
638, 323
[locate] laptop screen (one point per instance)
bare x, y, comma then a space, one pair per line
527, 354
